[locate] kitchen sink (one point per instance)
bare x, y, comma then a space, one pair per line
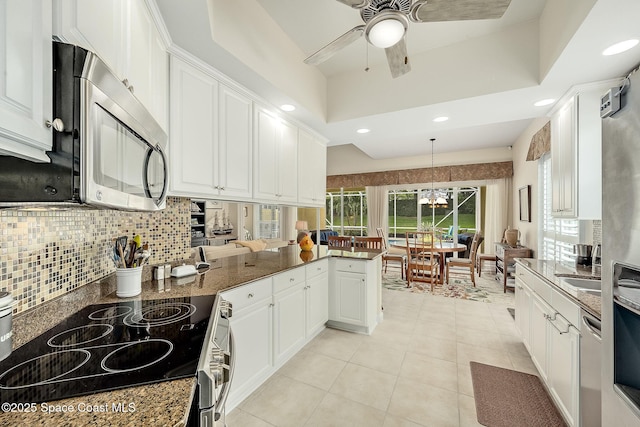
583, 284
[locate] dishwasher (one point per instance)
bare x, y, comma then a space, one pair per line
590, 370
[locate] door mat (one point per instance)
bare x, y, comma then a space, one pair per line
506, 398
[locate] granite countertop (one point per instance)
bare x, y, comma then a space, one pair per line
164, 403
553, 273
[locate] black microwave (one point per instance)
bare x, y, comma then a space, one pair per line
108, 151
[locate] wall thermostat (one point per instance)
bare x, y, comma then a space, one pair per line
610, 102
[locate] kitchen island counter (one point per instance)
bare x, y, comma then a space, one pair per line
164, 403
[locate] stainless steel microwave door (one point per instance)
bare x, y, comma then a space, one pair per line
119, 155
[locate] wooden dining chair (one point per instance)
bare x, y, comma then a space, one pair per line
367, 243
422, 261
392, 254
464, 266
339, 242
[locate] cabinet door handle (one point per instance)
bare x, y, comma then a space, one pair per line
292, 279
250, 295
271, 304
56, 124
560, 331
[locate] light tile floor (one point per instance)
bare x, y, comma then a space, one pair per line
412, 371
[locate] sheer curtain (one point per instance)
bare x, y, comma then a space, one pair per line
377, 209
496, 212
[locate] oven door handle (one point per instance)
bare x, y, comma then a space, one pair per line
222, 400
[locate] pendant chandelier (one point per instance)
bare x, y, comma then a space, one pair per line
434, 198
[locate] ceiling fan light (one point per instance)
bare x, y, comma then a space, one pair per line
386, 29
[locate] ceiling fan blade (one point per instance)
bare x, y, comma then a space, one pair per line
398, 59
356, 4
460, 10
332, 48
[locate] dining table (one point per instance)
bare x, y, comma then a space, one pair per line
442, 248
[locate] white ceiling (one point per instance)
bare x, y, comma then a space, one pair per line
484, 75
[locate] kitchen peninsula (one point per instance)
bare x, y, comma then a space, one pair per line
140, 404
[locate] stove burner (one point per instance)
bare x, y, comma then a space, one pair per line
110, 312
43, 369
137, 355
80, 335
160, 315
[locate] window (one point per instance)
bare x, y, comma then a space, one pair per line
407, 214
557, 235
347, 212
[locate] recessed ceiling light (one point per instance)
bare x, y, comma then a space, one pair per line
363, 130
441, 119
620, 47
544, 102
287, 107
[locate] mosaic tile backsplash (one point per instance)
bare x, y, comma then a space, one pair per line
45, 254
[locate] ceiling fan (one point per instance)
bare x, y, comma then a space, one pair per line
386, 23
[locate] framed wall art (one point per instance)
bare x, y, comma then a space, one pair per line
524, 194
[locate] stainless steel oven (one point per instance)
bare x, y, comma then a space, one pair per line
215, 369
108, 150
626, 334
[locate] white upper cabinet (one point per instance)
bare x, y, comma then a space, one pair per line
312, 170
25, 79
235, 162
96, 25
576, 153
147, 66
211, 140
275, 158
193, 139
124, 35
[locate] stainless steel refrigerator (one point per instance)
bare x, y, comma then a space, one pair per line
621, 254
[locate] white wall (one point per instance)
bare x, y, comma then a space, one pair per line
526, 173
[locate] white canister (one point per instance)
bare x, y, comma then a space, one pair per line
158, 272
167, 271
6, 324
128, 281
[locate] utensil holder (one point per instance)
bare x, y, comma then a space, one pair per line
128, 281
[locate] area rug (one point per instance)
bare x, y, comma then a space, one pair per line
487, 289
506, 398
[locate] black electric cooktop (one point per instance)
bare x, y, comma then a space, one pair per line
109, 346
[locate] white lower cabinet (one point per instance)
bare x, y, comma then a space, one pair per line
273, 318
289, 320
523, 311
317, 301
354, 298
564, 367
350, 296
539, 339
546, 321
252, 326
